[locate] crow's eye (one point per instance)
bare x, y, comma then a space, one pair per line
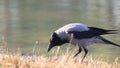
51, 39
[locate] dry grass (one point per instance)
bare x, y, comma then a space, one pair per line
64, 61
8, 60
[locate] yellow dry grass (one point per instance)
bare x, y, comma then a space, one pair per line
64, 61
9, 60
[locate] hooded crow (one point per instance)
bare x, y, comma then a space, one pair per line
81, 35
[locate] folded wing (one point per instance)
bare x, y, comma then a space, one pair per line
91, 33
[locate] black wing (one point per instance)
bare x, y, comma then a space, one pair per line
90, 33
81, 35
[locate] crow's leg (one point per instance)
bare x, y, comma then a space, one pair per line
86, 51
79, 51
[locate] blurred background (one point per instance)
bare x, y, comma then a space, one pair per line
23, 23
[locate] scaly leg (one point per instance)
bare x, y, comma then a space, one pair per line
79, 51
86, 51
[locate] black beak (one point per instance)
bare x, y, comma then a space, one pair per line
50, 46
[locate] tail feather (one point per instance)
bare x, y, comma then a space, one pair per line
98, 31
108, 42
112, 31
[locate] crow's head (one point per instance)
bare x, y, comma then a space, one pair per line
55, 40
